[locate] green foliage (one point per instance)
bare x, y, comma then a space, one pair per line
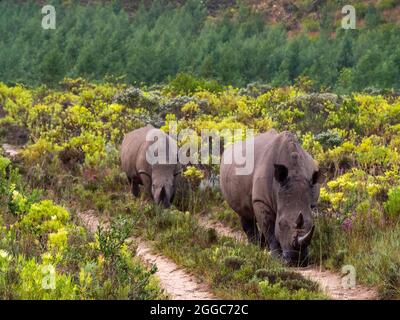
392, 205
4, 169
44, 217
43, 255
110, 241
229, 266
387, 4
73, 153
163, 40
185, 84
20, 204
372, 17
329, 139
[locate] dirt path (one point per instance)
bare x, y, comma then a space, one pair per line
11, 151
176, 282
329, 281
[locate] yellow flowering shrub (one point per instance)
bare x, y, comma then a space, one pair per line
44, 217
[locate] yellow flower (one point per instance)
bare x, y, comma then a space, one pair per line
5, 255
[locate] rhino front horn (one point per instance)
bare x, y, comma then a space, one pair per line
305, 240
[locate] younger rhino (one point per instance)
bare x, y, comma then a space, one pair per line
158, 179
275, 201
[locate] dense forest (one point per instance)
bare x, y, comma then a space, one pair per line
160, 39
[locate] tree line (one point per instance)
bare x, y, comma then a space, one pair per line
159, 41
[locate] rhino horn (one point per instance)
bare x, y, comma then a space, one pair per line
305, 240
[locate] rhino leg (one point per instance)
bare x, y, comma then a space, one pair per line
267, 222
135, 189
269, 233
134, 186
253, 234
146, 182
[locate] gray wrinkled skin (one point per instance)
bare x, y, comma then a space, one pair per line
275, 202
158, 180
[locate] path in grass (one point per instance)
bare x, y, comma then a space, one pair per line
177, 283
329, 281
10, 151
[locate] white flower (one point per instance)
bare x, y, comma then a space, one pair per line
15, 194
4, 254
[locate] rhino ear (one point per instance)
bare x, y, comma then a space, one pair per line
317, 177
281, 173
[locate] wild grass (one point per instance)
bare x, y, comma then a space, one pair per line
371, 249
37, 235
233, 270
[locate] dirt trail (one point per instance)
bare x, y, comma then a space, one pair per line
176, 282
329, 281
11, 151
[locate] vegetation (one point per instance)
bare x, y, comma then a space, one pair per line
234, 46
45, 255
113, 66
72, 157
233, 270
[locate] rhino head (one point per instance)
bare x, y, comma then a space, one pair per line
297, 196
163, 186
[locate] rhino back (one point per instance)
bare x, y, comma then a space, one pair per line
237, 189
242, 191
283, 149
133, 148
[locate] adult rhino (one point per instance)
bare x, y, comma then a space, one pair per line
275, 201
159, 178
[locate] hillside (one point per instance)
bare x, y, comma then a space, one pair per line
156, 42
295, 15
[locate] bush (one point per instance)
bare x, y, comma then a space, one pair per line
44, 217
387, 4
186, 84
329, 139
311, 24
392, 205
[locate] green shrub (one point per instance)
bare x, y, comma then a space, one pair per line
4, 171
233, 262
329, 139
311, 24
110, 241
387, 4
392, 205
44, 217
185, 83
